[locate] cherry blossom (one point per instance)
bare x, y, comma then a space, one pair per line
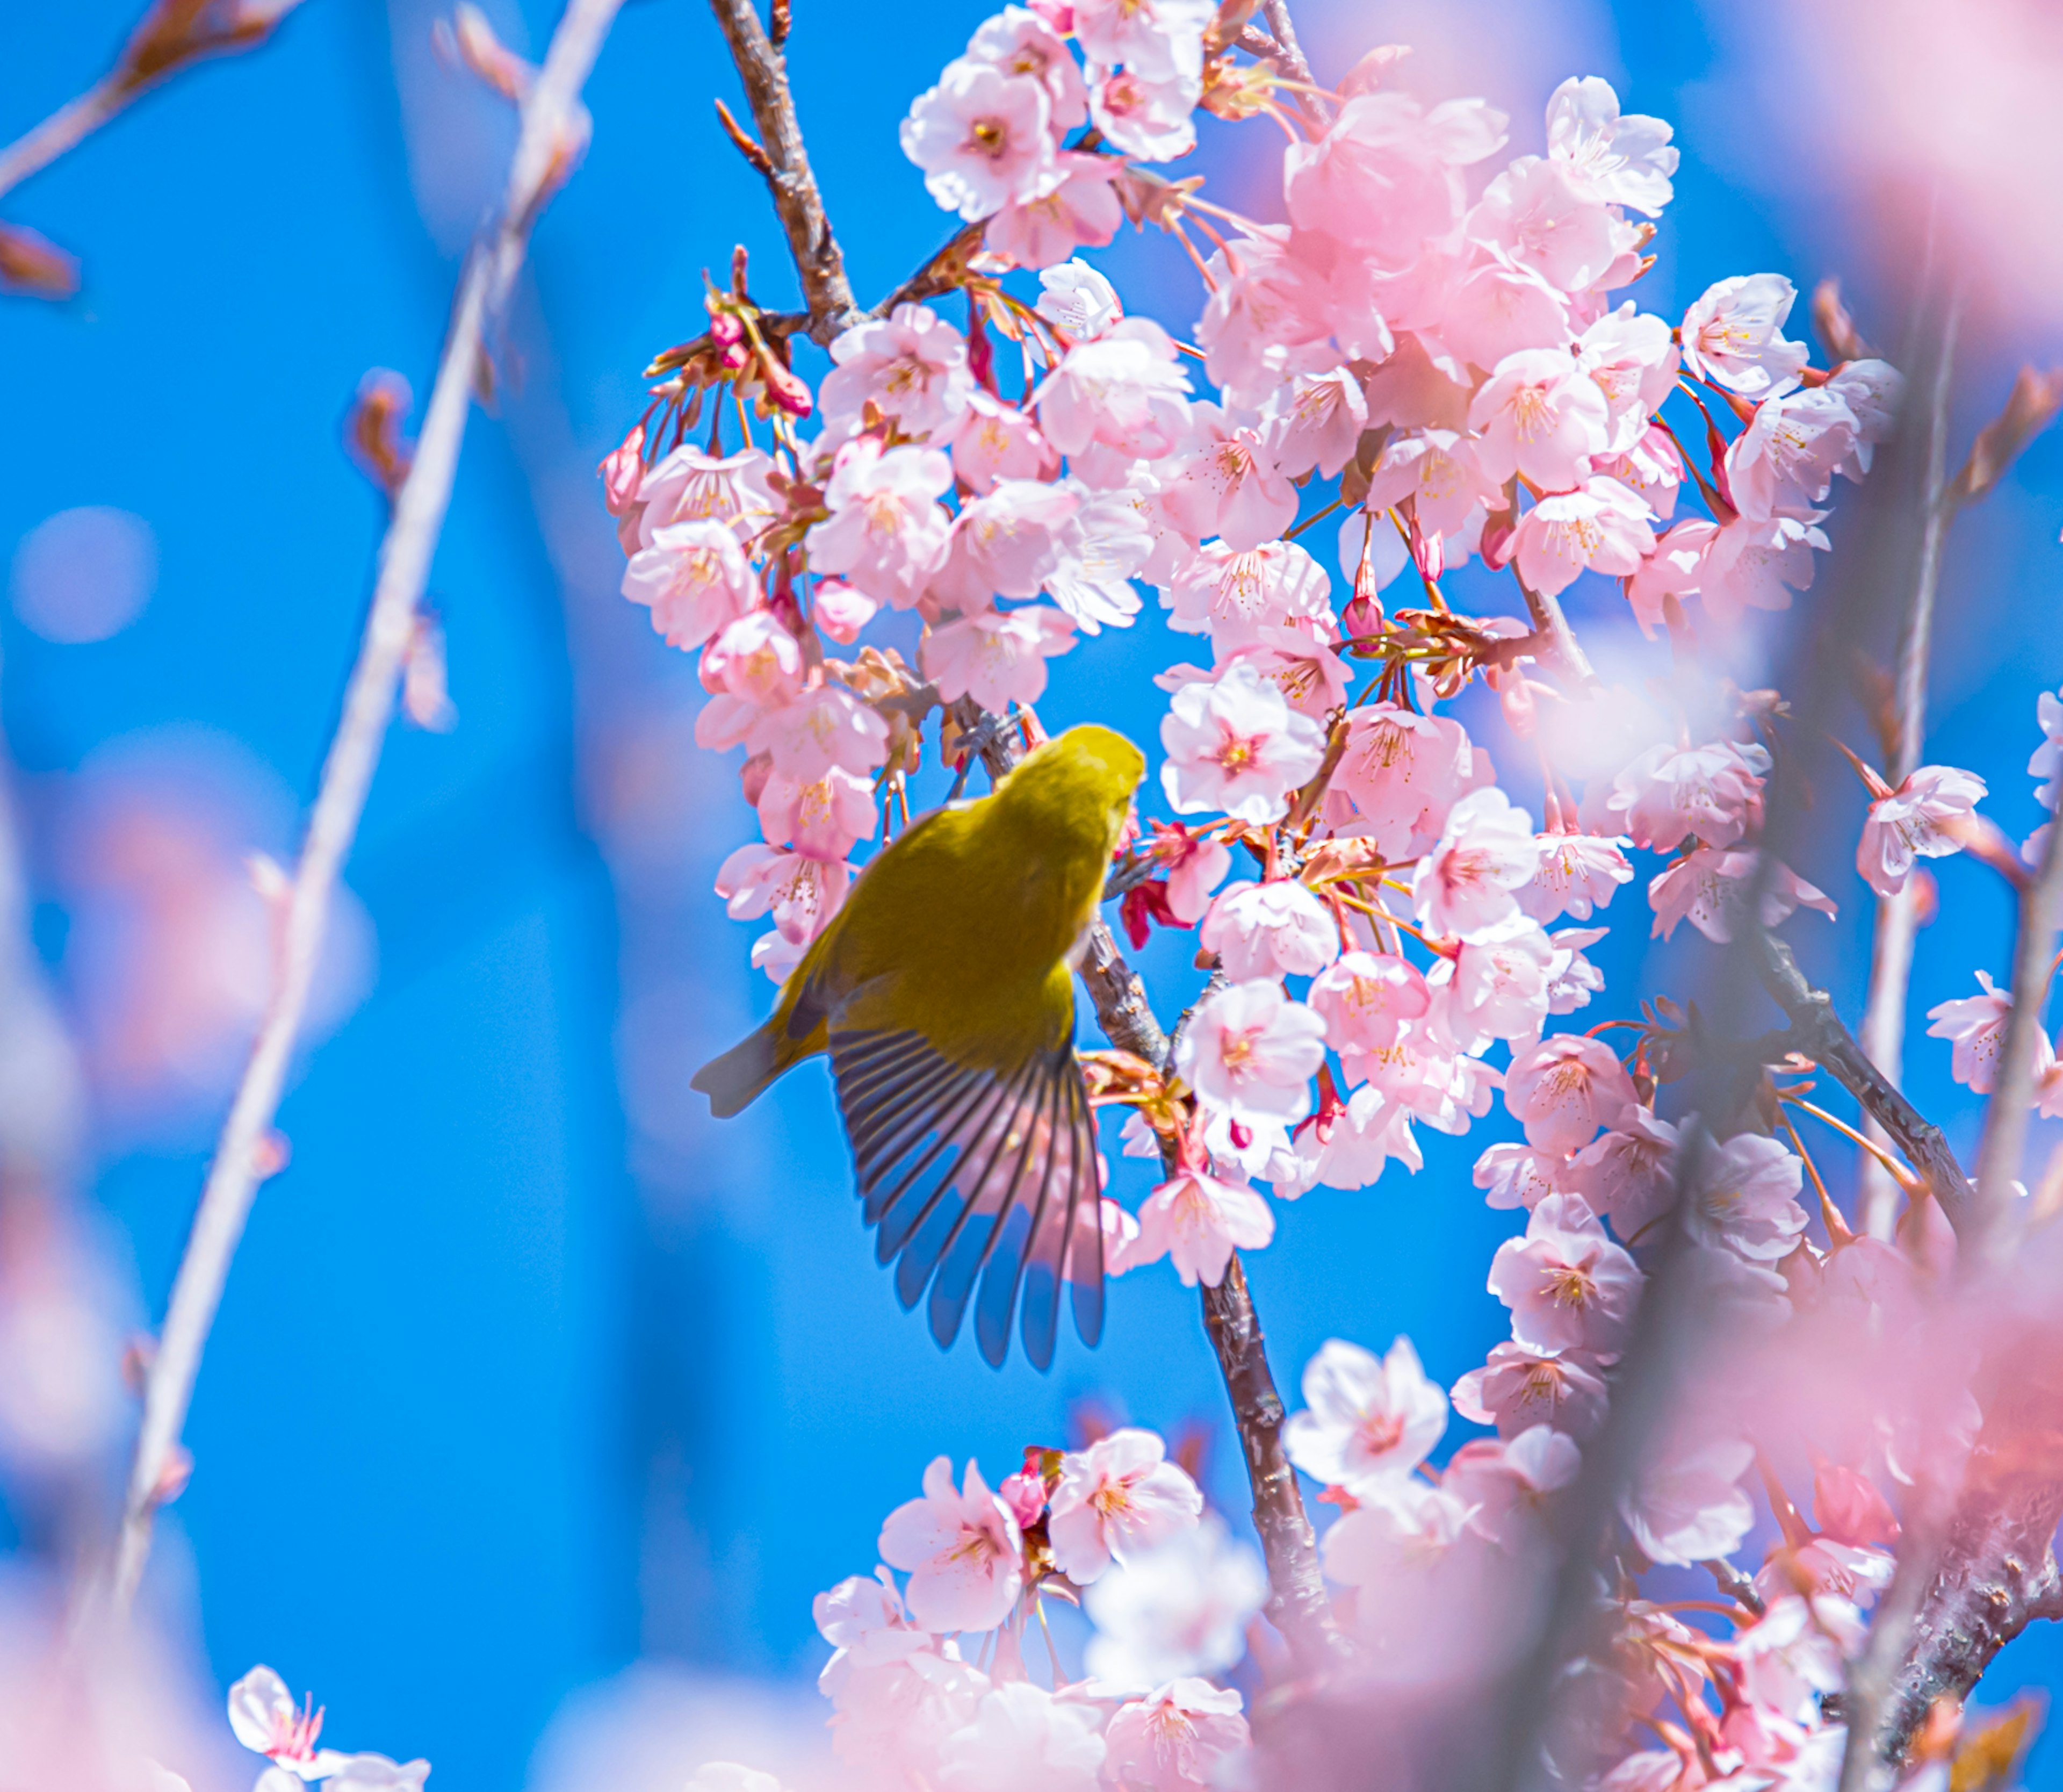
800, 890
1368, 1420
1520, 1387
1496, 983
1439, 471
1744, 1195
1074, 298
911, 364
1628, 1176
1568, 1286
1082, 211
1516, 1176
1400, 775
1235, 745
1249, 1049
1976, 1024
1181, 1609
1565, 1090
1023, 1739
1270, 930
1160, 37
824, 819
886, 530
981, 138
1234, 594
898, 1692
1503, 308
997, 658
1018, 40
1578, 874
1542, 214
1688, 1506
1668, 794
1316, 422
1710, 889
1182, 1735
1145, 116
1486, 851
1366, 998
1115, 1499
1229, 485
826, 726
1602, 527
1923, 819
1541, 415
694, 578
961, 1548
1198, 1220
1008, 542
690, 486
995, 440
1622, 159
265, 1719
1407, 1532
1786, 459
1505, 1483
1124, 390
1733, 333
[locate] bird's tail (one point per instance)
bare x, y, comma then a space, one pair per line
735, 1080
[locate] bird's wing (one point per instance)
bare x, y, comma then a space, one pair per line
973, 1174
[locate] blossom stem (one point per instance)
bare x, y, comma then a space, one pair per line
1900, 1172
538, 167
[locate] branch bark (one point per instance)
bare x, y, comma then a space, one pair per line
1287, 49
1297, 1603
540, 162
819, 262
1821, 1034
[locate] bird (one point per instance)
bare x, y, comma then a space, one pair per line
944, 991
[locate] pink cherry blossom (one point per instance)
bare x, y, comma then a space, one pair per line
1501, 308
1669, 793
1365, 997
1438, 470
982, 138
690, 486
995, 440
823, 819
1565, 1090
1311, 676
1116, 1499
1162, 37
1249, 1049
1486, 851
2047, 761
1386, 176
1264, 319
1976, 1024
1495, 987
1622, 159
1506, 1483
1270, 930
1572, 979
1744, 1196
1083, 211
1924, 818
1400, 776
1235, 745
1404, 1535
1228, 485
997, 658
1316, 422
1568, 1286
1541, 415
1186, 1735
961, 1549
1786, 459
824, 727
1078, 301
1629, 1176
1797, 1652
1368, 1420
887, 531
911, 363
1198, 1220
1516, 1176
1541, 213
839, 611
1688, 1507
694, 578
1653, 468
1182, 1608
1710, 889
1233, 595
1017, 42
752, 666
1734, 334
1102, 548
1520, 1387
1577, 873
801, 893
1602, 527
1124, 390
1023, 1739
1751, 565
1350, 1148
1006, 543
1146, 115
1871, 390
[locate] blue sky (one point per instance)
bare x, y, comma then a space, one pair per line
526, 1366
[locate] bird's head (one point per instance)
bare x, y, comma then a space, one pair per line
1085, 776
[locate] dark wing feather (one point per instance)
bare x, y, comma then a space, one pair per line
979, 1184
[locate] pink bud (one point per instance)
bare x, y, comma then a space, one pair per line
623, 472
840, 611
1849, 1507
1025, 1494
752, 775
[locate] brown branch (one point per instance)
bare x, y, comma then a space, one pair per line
1820, 1033
1297, 1603
542, 162
819, 263
1288, 51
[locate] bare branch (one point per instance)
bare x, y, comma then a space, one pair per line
1288, 51
819, 263
1820, 1035
543, 154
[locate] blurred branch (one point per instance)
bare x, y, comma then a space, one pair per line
819, 263
545, 150
1287, 51
173, 34
1299, 1607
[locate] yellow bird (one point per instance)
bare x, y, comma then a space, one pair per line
944, 991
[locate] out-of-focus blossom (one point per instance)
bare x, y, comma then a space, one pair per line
1405, 1534
1081, 212
1368, 1420
962, 1550
1520, 1387
1187, 1734
1688, 1506
1744, 1196
1023, 1739
1116, 1500
1629, 1176
1710, 889
1181, 1609
825, 727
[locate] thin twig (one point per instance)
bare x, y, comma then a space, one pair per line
1883, 1031
1288, 51
819, 263
540, 164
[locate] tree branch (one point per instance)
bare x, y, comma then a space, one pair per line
819, 263
1288, 51
542, 160
1821, 1036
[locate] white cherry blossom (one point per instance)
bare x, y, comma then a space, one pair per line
1368, 1420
